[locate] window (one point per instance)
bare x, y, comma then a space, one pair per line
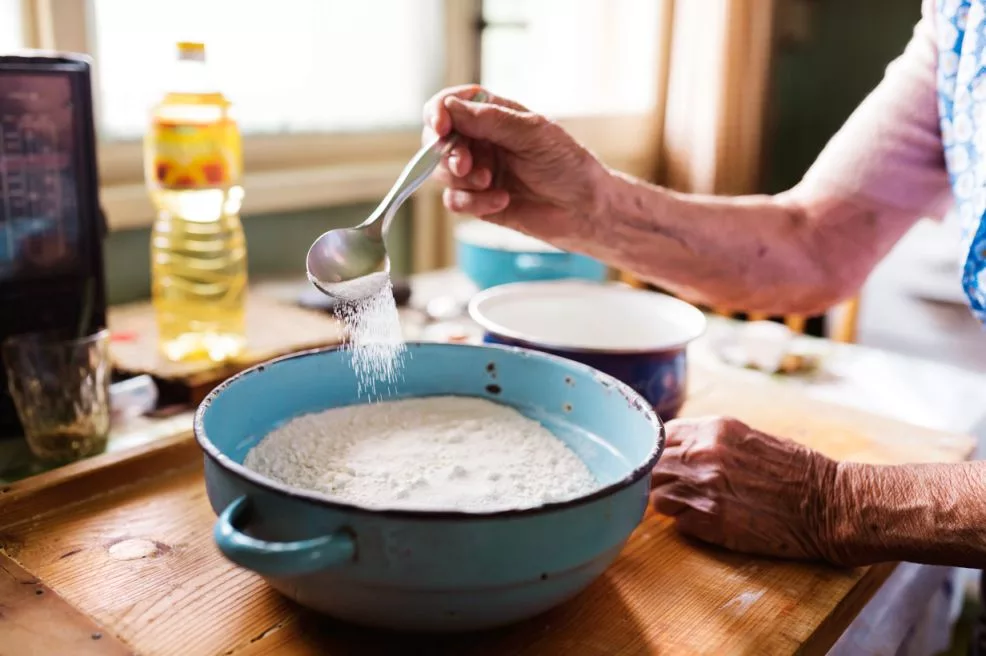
290, 66
329, 92
11, 24
573, 58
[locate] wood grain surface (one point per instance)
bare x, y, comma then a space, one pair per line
129, 543
36, 621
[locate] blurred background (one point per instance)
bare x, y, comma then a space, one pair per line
722, 96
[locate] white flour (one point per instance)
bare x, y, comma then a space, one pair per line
373, 330
434, 453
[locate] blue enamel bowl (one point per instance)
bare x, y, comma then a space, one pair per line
419, 570
639, 337
490, 255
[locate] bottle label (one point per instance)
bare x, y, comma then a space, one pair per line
195, 156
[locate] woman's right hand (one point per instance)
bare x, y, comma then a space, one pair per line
515, 167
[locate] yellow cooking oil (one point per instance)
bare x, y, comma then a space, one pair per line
193, 166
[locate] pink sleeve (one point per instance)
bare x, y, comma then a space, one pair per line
889, 152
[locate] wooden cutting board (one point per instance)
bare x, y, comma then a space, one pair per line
120, 547
273, 328
837, 431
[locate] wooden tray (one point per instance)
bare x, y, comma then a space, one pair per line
274, 327
115, 555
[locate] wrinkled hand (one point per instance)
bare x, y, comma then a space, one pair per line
513, 167
730, 485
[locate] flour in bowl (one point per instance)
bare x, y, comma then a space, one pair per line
432, 453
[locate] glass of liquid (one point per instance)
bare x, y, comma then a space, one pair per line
60, 386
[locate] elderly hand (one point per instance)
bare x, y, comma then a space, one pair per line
733, 486
514, 167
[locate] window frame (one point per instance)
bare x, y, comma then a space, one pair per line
291, 172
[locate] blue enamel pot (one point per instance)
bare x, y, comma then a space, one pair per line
639, 337
419, 570
491, 255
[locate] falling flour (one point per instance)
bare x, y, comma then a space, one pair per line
373, 330
434, 453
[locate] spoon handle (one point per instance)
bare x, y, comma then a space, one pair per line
421, 166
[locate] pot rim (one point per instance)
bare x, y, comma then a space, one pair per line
633, 398
462, 238
494, 328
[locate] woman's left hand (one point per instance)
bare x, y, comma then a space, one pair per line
730, 485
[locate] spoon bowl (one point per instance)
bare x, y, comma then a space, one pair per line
342, 255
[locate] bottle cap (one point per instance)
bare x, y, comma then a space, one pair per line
193, 50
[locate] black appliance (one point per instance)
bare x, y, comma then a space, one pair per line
51, 225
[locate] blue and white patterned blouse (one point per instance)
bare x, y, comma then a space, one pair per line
961, 86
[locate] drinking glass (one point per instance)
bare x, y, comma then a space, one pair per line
60, 387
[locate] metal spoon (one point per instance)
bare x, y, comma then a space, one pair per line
352, 263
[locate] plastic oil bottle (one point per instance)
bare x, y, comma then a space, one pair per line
193, 171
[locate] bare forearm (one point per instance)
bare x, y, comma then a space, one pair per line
791, 253
934, 514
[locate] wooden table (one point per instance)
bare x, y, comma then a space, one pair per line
125, 562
